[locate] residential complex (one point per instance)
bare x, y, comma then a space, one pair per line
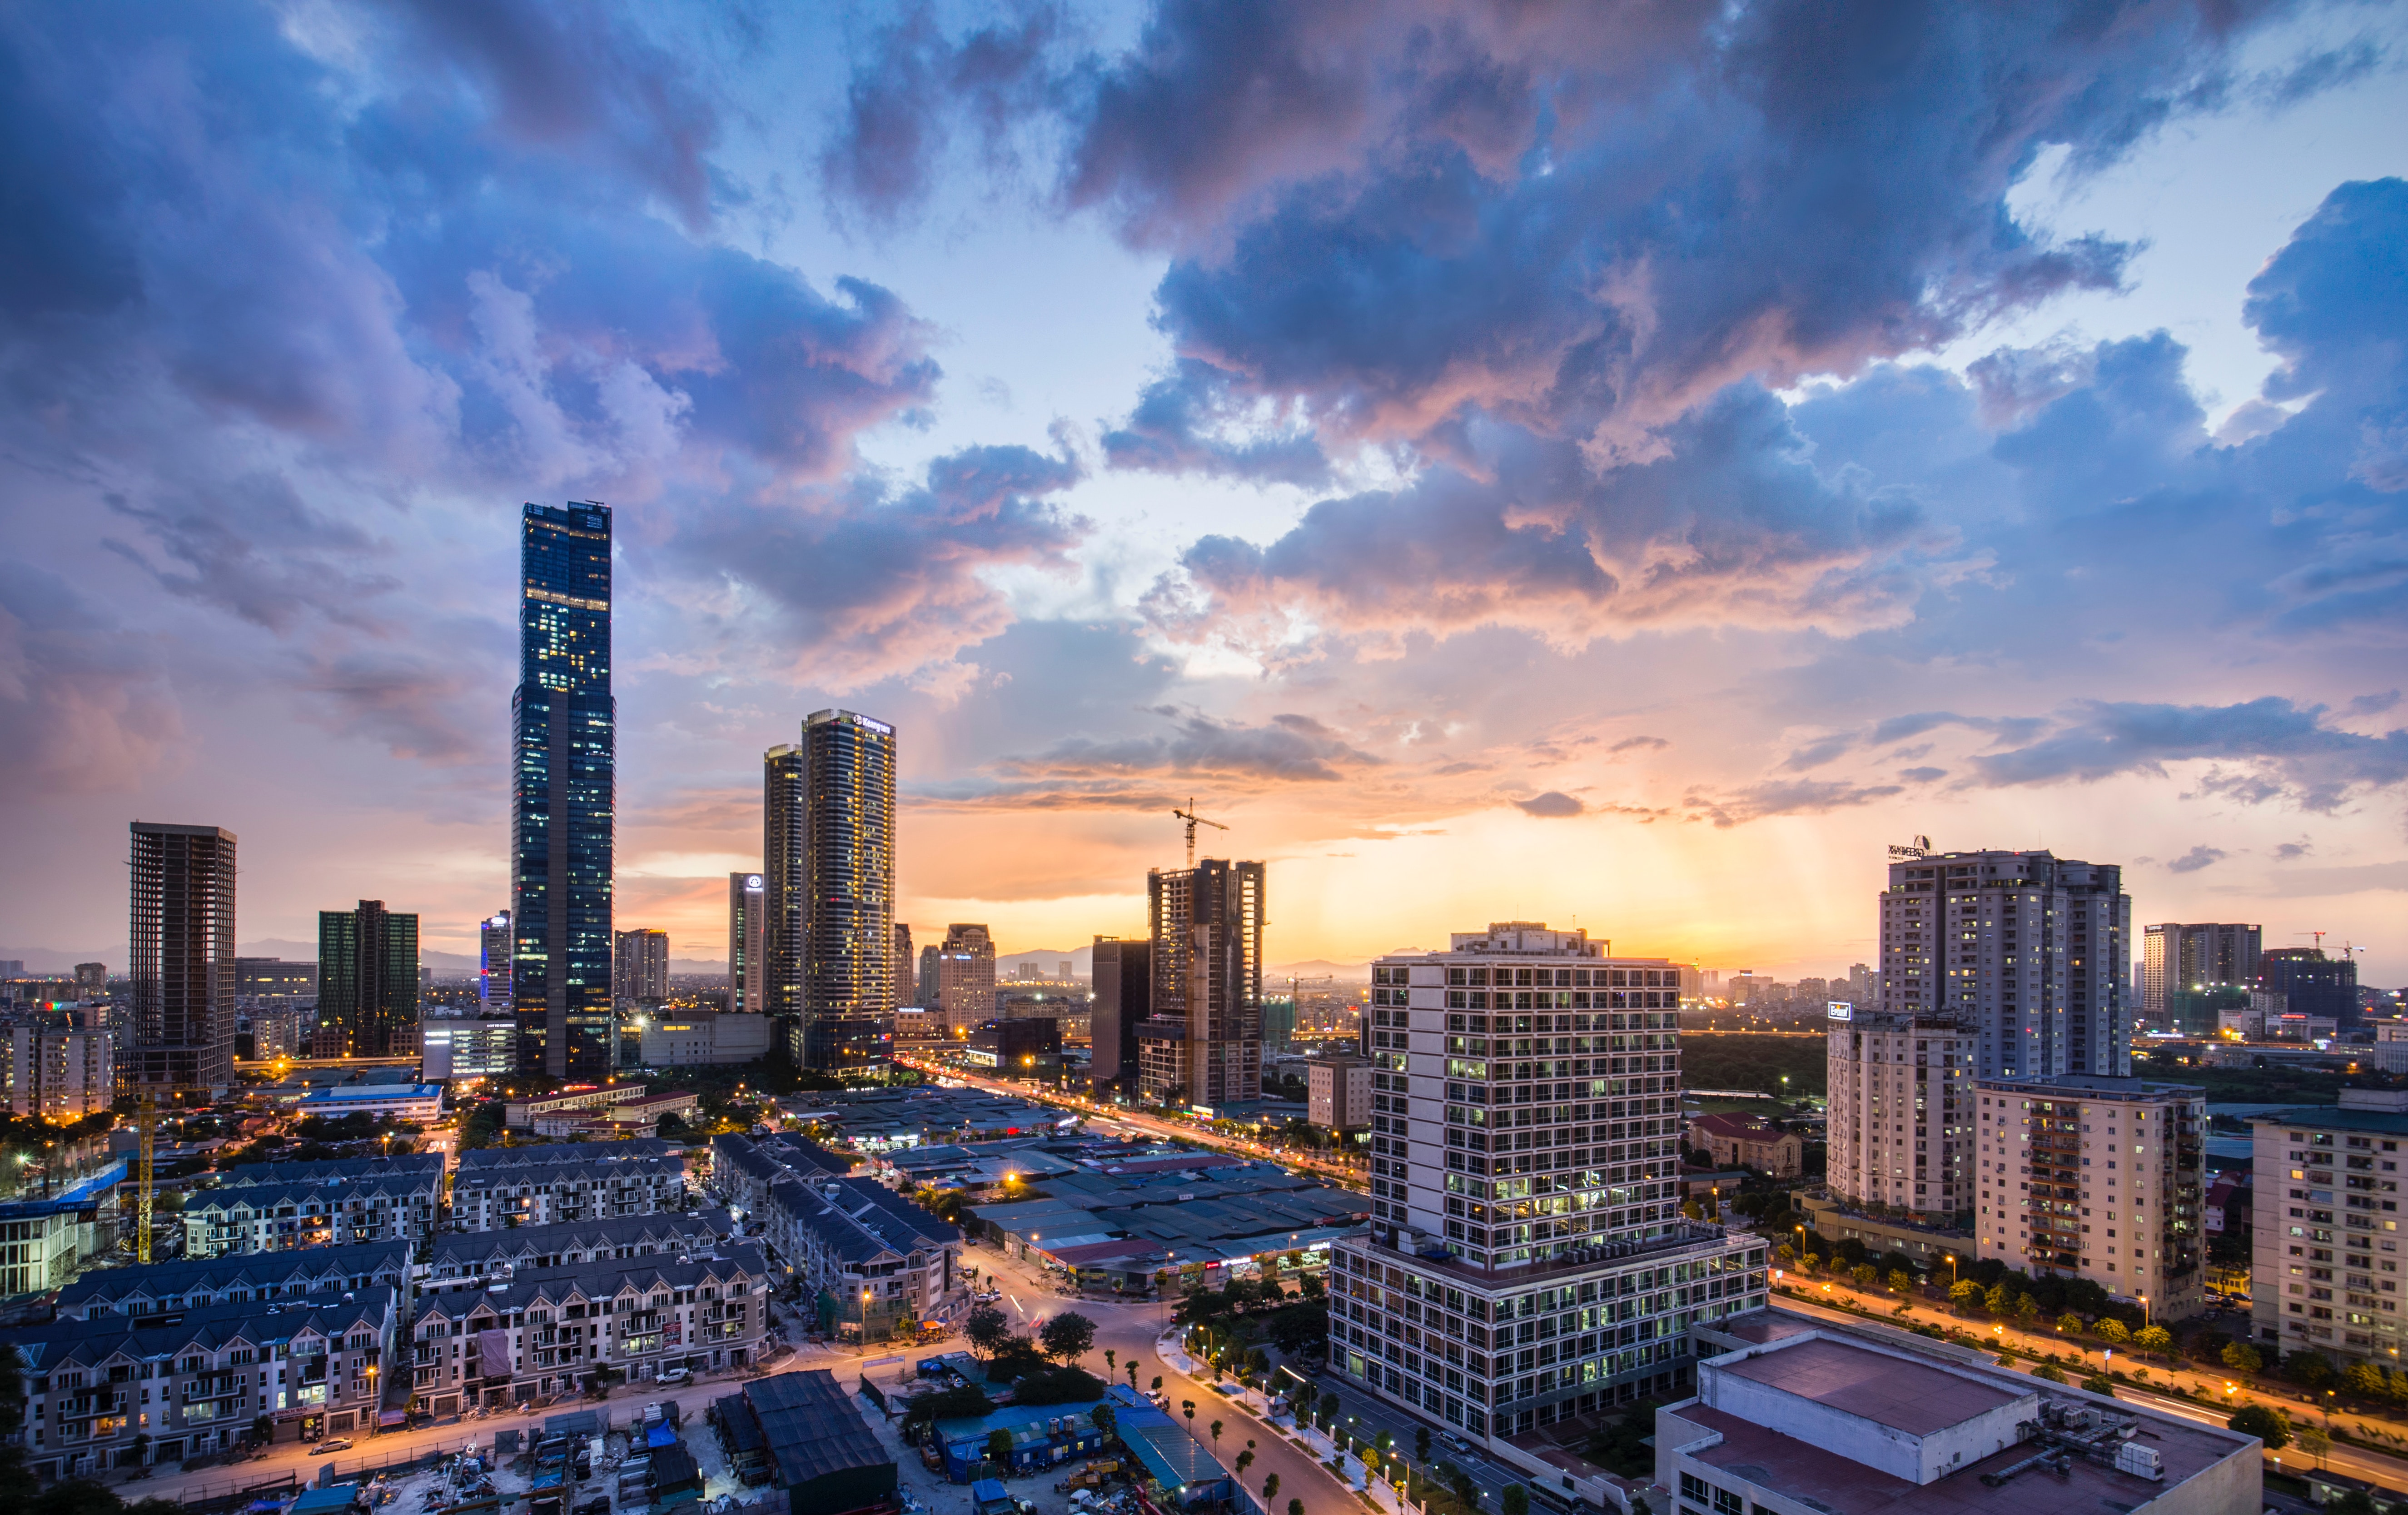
58, 1071
2310, 984
244, 1278
877, 1264
1526, 1261
555, 1330
2097, 1178
482, 1253
368, 981
958, 977
1202, 1042
639, 966
1900, 1089
563, 776
2177, 958
495, 946
277, 1207
2030, 952
180, 1036
2324, 1258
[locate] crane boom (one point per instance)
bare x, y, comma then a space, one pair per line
147, 1117
1194, 820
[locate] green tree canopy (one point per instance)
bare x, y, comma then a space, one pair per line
1068, 1337
2267, 1426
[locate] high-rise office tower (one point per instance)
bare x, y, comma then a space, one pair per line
748, 916
1203, 1041
964, 978
494, 948
1526, 1261
367, 979
830, 849
639, 966
180, 1034
2175, 956
906, 977
1123, 994
924, 982
2029, 951
563, 789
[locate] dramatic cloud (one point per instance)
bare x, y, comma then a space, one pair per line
1553, 805
1289, 749
2195, 859
1791, 797
2281, 751
84, 700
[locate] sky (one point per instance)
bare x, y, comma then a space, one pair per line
1620, 466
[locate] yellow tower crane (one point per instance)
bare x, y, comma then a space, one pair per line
1194, 820
146, 1115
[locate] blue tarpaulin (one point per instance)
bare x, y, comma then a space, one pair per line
663, 1434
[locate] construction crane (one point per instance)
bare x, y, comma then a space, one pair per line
146, 1115
1194, 820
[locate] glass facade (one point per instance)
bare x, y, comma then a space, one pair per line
562, 794
368, 977
847, 921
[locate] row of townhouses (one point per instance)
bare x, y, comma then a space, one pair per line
552, 1329
475, 1254
104, 1390
551, 1186
878, 1265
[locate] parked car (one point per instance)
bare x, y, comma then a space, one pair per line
677, 1375
332, 1444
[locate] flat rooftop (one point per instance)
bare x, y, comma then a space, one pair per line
1808, 1473
1873, 1386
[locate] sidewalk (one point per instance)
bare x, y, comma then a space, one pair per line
1351, 1470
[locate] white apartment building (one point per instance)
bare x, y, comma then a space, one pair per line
2325, 1255
1902, 1112
458, 1047
2030, 951
1526, 1261
60, 1072
2098, 1178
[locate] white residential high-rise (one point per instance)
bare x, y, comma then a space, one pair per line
748, 919
493, 963
1901, 1108
2097, 1178
2030, 952
2325, 1259
60, 1072
1527, 1261
2175, 958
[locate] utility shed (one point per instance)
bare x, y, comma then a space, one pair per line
821, 1451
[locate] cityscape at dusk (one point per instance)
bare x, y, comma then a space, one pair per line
1575, 759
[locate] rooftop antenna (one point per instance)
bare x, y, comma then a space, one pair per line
1194, 820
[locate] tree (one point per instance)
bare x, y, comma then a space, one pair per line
2114, 1332
1809, 1263
2365, 1381
1132, 1372
1068, 1337
1513, 1500
1998, 1301
1112, 1361
2267, 1426
2309, 1368
2069, 1323
998, 1447
1864, 1274
2243, 1358
2049, 1371
1104, 1417
2154, 1339
1245, 1461
1963, 1292
1270, 1489
1157, 1383
985, 1329
1296, 1506
2314, 1441
1901, 1281
2100, 1383
2027, 1309
1328, 1410
1421, 1444
1216, 1436
1187, 1407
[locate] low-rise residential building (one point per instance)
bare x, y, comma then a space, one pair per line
557, 1330
2325, 1255
590, 1097
742, 1169
275, 1206
484, 1253
1742, 1142
1791, 1415
116, 1388
878, 1265
2095, 1177
1338, 1093
550, 1186
239, 1279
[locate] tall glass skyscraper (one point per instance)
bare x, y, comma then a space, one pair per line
562, 779
829, 845
368, 977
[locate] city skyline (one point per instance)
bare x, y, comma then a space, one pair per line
1386, 478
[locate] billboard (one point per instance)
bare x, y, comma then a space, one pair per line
1840, 1010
